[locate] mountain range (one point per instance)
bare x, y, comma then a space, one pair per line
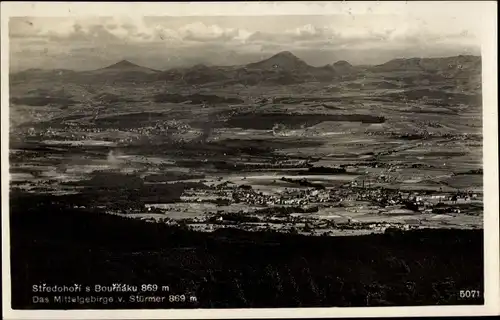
282, 68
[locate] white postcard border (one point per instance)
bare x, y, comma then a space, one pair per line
483, 11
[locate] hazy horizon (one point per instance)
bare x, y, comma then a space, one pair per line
168, 42
212, 65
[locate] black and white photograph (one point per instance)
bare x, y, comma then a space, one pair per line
235, 160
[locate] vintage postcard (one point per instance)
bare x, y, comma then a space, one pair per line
249, 159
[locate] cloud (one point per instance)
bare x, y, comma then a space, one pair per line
164, 42
200, 32
359, 37
122, 29
125, 29
309, 32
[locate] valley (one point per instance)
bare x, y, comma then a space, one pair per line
318, 155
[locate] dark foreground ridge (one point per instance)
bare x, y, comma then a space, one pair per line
231, 268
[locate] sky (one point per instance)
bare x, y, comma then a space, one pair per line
163, 42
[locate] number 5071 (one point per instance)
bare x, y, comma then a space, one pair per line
470, 294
